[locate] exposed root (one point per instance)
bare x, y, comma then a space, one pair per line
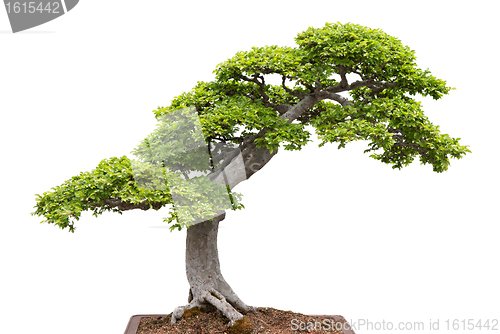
232, 298
211, 297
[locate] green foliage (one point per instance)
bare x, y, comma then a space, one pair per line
112, 179
378, 122
225, 114
293, 63
153, 181
240, 103
371, 52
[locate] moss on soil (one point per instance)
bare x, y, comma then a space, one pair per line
242, 326
191, 312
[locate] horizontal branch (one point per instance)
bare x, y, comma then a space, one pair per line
376, 86
124, 206
335, 97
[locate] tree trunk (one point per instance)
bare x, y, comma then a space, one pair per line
207, 285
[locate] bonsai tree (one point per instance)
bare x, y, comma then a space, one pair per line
345, 81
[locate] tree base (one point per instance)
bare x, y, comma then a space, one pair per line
262, 320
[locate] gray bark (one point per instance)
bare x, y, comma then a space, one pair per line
207, 285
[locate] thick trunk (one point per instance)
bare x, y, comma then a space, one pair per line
207, 285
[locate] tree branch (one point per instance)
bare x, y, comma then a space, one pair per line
343, 82
296, 93
376, 86
124, 206
297, 110
335, 97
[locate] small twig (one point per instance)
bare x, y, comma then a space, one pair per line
263, 322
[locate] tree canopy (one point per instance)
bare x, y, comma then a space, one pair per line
241, 109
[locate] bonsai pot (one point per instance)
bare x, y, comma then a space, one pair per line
298, 326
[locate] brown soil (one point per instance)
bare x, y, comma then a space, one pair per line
264, 320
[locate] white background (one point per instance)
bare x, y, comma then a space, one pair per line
325, 231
